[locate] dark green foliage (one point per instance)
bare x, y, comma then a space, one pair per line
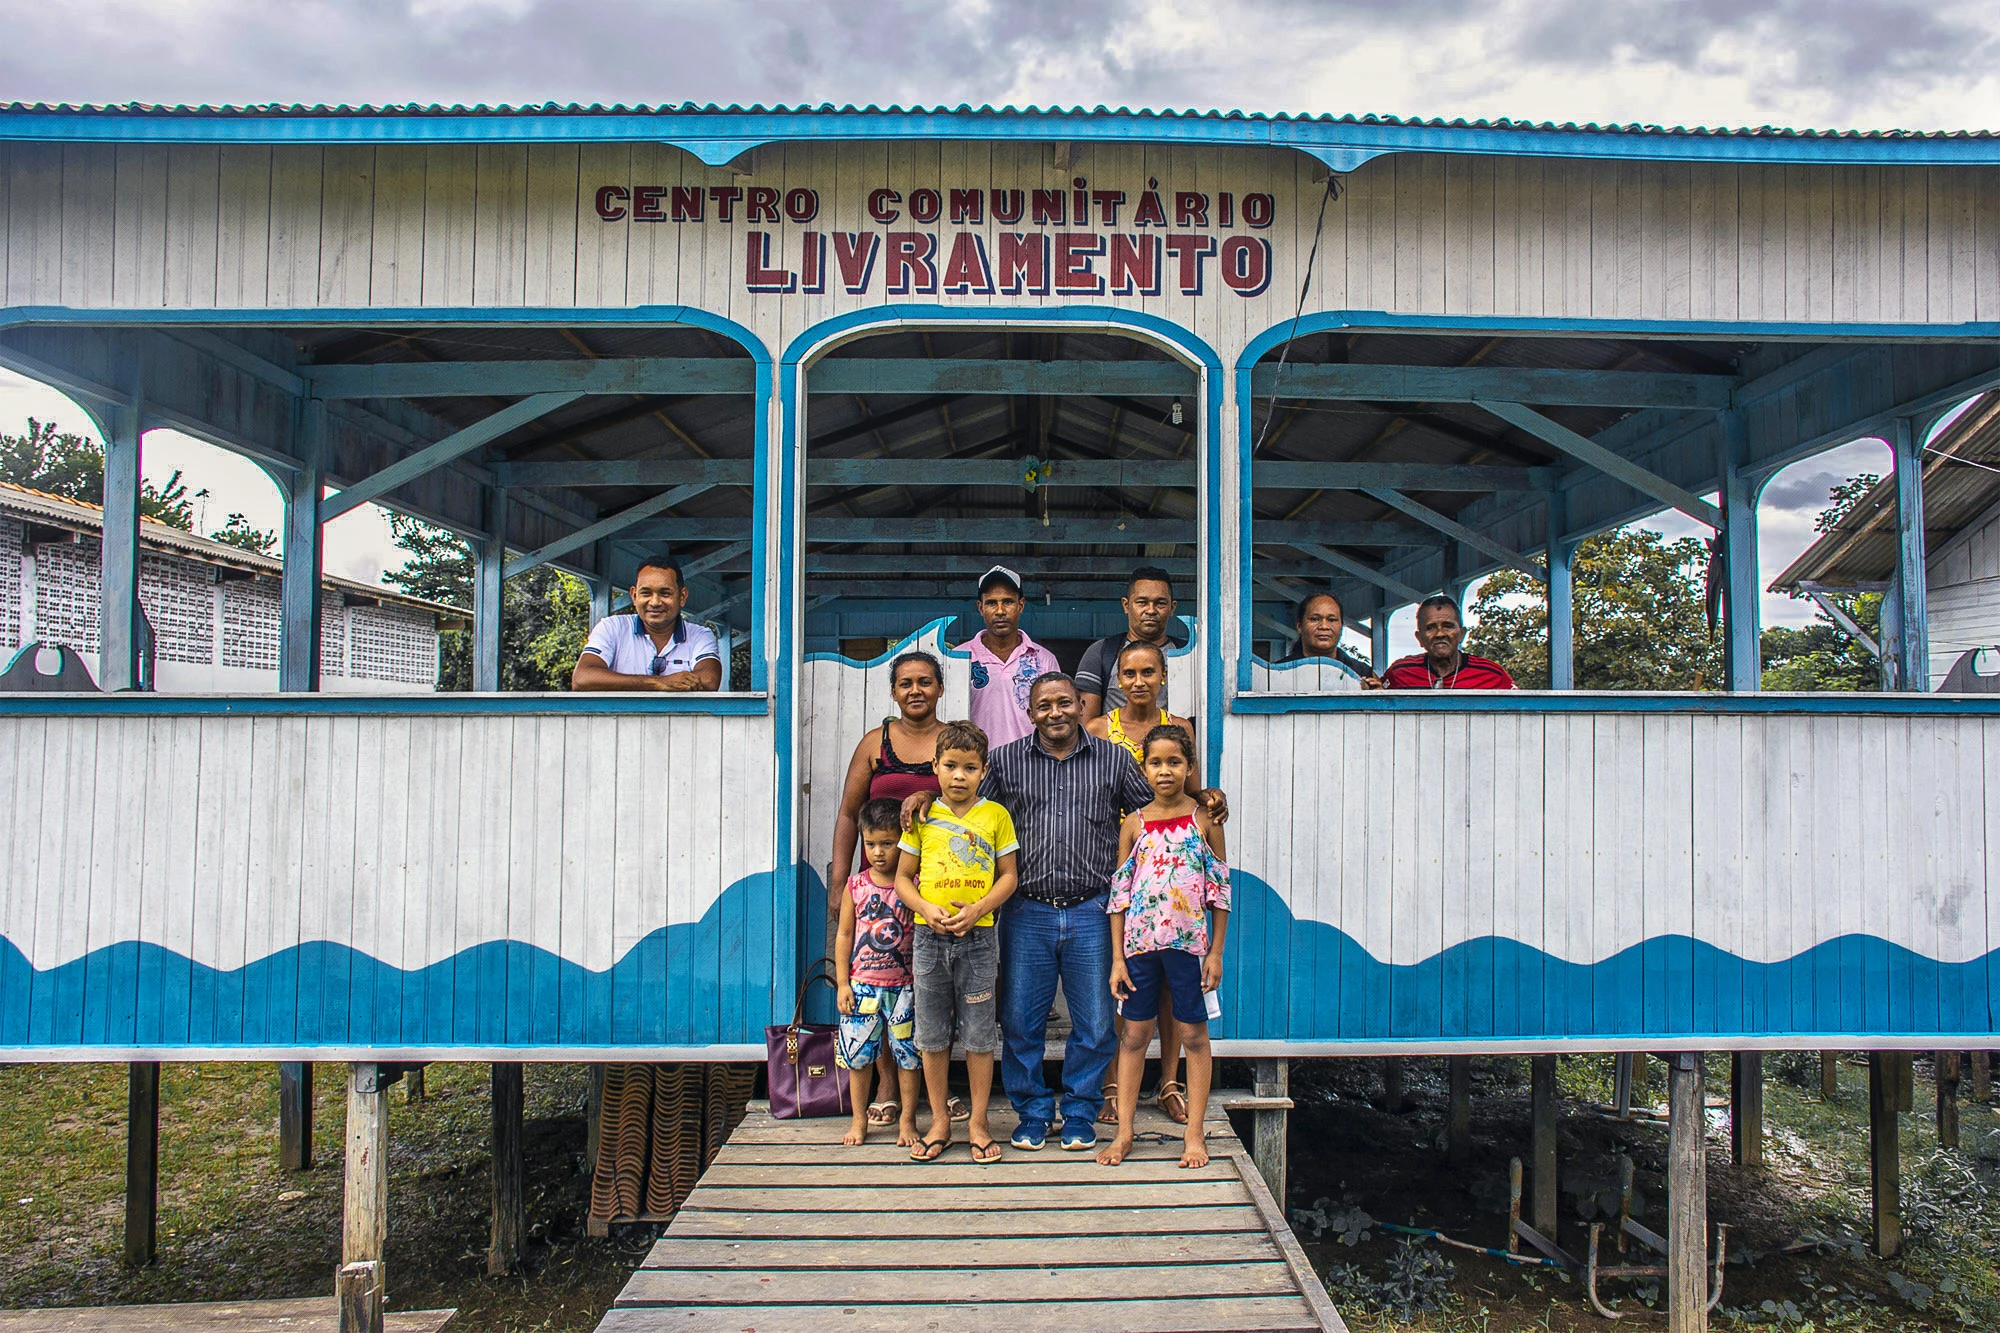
72, 467
1823, 656
1640, 622
237, 531
545, 613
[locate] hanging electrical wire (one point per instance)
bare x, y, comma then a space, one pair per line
1319, 229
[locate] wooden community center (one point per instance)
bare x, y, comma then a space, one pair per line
839, 361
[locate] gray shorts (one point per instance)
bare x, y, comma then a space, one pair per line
956, 977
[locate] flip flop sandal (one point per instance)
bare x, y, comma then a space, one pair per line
929, 1150
956, 1108
1109, 1114
1173, 1100
883, 1114
987, 1153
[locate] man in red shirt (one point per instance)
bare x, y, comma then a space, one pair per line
1441, 666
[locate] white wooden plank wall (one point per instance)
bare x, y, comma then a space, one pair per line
227, 840
191, 227
1587, 834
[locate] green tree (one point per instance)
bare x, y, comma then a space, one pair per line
237, 531
71, 467
545, 613
1639, 615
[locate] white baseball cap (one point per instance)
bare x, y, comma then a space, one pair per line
999, 574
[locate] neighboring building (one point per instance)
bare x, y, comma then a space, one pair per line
1962, 539
213, 607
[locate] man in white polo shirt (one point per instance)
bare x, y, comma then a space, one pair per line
652, 649
1005, 661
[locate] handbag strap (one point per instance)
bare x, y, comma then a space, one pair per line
813, 973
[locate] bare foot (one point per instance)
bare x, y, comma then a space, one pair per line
906, 1131
1112, 1153
857, 1133
1195, 1154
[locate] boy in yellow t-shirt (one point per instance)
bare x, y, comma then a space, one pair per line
957, 866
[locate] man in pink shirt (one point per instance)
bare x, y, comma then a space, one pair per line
1005, 661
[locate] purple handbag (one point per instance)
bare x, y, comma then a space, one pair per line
800, 1070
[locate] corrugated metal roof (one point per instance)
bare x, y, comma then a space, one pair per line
675, 109
78, 515
1861, 548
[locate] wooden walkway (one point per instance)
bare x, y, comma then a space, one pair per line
789, 1232
316, 1314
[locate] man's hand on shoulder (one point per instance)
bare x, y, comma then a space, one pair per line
1214, 803
914, 806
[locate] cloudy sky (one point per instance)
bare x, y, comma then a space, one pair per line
1799, 63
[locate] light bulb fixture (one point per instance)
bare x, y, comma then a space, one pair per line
1175, 414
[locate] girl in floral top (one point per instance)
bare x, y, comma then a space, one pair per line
1171, 878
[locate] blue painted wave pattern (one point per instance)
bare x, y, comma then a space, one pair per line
1304, 980
705, 983
719, 981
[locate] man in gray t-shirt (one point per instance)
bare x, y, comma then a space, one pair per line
1149, 618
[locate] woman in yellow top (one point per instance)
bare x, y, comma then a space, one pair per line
1142, 671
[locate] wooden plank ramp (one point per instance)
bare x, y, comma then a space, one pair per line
790, 1232
313, 1314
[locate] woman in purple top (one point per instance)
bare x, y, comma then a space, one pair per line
891, 762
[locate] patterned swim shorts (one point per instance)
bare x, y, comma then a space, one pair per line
879, 1010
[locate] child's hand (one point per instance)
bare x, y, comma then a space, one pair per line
1211, 971
844, 998
960, 919
1121, 980
935, 917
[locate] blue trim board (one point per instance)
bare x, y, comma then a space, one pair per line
382, 705
904, 645
1615, 701
499, 994
716, 135
1302, 981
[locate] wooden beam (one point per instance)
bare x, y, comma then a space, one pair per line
1479, 541
1268, 1126
1687, 1195
1947, 1098
489, 594
604, 527
1354, 567
1982, 1076
913, 375
295, 1116
1829, 1076
510, 1202
122, 623
1458, 1112
1912, 577
364, 1218
1025, 531
1595, 455
1392, 1084
142, 1162
1560, 553
1746, 1108
304, 553
652, 377
1545, 1213
1885, 1152
453, 446
1295, 475
1476, 384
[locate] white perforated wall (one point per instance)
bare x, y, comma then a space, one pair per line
179, 597
250, 624
10, 585
392, 643
66, 591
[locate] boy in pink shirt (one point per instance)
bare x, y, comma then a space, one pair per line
1005, 661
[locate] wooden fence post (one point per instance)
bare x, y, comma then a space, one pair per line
364, 1218
1687, 1195
510, 1203
1273, 1079
142, 1161
1458, 1117
295, 1116
1546, 1209
1884, 1151
1746, 1108
1947, 1099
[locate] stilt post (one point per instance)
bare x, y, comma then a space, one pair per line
413, 1085
1746, 1108
1829, 1076
295, 1116
1621, 1083
358, 1289
1458, 1115
1687, 1195
1982, 1076
1545, 1210
1273, 1079
142, 1161
1947, 1098
593, 1112
489, 557
1912, 573
510, 1203
1392, 1084
364, 1226
1884, 1152
121, 622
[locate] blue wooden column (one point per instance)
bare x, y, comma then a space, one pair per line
304, 557
1562, 596
1912, 589
1742, 596
489, 558
1378, 637
121, 625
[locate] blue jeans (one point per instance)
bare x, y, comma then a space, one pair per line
1038, 944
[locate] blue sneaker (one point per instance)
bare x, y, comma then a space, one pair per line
1030, 1136
1079, 1135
